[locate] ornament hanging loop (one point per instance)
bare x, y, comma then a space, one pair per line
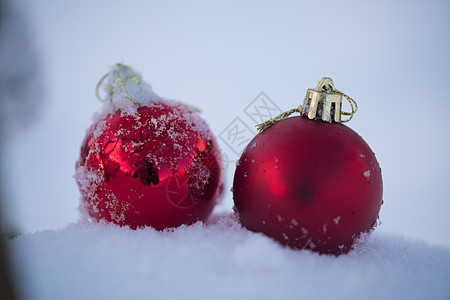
97, 88
323, 102
116, 71
116, 81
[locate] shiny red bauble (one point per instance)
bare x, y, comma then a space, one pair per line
309, 185
159, 167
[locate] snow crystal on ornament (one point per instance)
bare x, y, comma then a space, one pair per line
336, 220
89, 180
294, 222
124, 89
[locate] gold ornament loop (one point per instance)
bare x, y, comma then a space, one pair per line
117, 68
97, 88
122, 86
278, 118
352, 103
328, 88
129, 75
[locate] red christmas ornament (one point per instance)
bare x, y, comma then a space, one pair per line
308, 183
157, 165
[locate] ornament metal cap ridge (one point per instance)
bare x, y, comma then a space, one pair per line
323, 102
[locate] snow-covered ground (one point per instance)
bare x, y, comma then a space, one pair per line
390, 56
220, 260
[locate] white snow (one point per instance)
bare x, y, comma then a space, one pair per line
124, 88
219, 260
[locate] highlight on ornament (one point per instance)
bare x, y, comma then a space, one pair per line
146, 160
310, 182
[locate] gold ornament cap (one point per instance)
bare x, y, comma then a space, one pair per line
323, 103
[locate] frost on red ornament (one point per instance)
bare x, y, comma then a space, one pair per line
158, 167
309, 185
153, 169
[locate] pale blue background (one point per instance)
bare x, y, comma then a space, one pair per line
392, 57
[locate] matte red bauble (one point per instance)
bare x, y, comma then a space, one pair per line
158, 166
309, 184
